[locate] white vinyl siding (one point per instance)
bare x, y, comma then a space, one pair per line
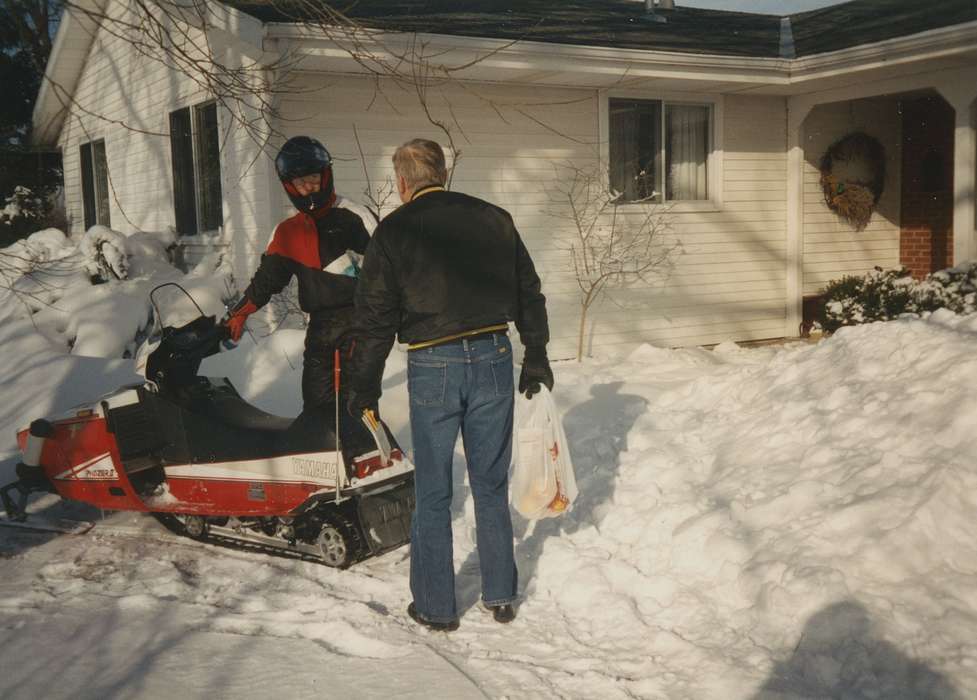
125, 98
832, 248
729, 283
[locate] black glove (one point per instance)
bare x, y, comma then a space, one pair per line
535, 371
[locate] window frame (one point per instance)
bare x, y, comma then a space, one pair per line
98, 188
714, 158
195, 110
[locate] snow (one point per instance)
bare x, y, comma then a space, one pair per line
776, 522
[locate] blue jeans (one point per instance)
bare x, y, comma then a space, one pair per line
464, 385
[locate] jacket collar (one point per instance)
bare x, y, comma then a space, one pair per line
426, 190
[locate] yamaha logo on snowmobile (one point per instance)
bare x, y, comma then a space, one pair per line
316, 468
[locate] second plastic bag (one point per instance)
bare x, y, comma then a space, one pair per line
543, 484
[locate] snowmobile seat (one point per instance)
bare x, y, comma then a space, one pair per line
228, 406
231, 409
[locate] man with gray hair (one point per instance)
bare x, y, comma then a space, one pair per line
445, 273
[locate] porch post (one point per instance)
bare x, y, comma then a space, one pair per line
797, 110
961, 98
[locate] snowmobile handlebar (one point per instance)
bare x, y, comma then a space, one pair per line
197, 339
181, 350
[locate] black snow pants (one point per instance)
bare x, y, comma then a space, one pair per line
323, 337
314, 427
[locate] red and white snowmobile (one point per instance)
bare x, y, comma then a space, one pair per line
191, 451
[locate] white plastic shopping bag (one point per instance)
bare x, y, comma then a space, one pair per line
543, 484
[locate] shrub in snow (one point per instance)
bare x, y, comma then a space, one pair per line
22, 211
152, 244
37, 249
954, 289
22, 206
37, 268
56, 282
28, 209
106, 254
150, 251
882, 295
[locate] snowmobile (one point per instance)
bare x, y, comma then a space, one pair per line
191, 451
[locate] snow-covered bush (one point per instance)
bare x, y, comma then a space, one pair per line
23, 206
38, 269
35, 250
954, 288
105, 253
28, 209
89, 294
882, 295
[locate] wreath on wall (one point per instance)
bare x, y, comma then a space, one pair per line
853, 176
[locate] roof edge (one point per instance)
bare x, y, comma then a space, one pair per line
942, 41
77, 31
48, 115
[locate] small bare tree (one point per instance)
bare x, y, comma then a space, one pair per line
376, 196
610, 249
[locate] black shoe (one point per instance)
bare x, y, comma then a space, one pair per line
430, 624
503, 613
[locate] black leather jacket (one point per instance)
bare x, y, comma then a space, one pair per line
442, 264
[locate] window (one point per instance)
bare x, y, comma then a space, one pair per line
95, 184
194, 145
659, 151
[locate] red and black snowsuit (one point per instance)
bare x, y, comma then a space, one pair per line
313, 249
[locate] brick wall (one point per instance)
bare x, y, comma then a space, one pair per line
926, 235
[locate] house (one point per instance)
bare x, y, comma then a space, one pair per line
719, 121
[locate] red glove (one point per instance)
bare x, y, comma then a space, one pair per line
237, 316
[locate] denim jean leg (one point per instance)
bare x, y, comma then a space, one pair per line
487, 435
435, 418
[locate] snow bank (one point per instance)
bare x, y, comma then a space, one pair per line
770, 523
725, 514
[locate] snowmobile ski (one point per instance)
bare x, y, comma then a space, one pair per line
60, 525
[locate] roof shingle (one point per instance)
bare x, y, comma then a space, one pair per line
624, 23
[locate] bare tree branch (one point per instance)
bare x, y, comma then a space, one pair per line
610, 250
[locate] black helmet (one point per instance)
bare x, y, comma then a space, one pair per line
300, 156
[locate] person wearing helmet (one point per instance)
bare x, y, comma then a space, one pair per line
321, 246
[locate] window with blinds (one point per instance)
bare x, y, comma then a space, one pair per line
659, 151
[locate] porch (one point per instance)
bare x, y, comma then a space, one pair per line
923, 216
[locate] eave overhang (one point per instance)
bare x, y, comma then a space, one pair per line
79, 26
559, 65
528, 62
